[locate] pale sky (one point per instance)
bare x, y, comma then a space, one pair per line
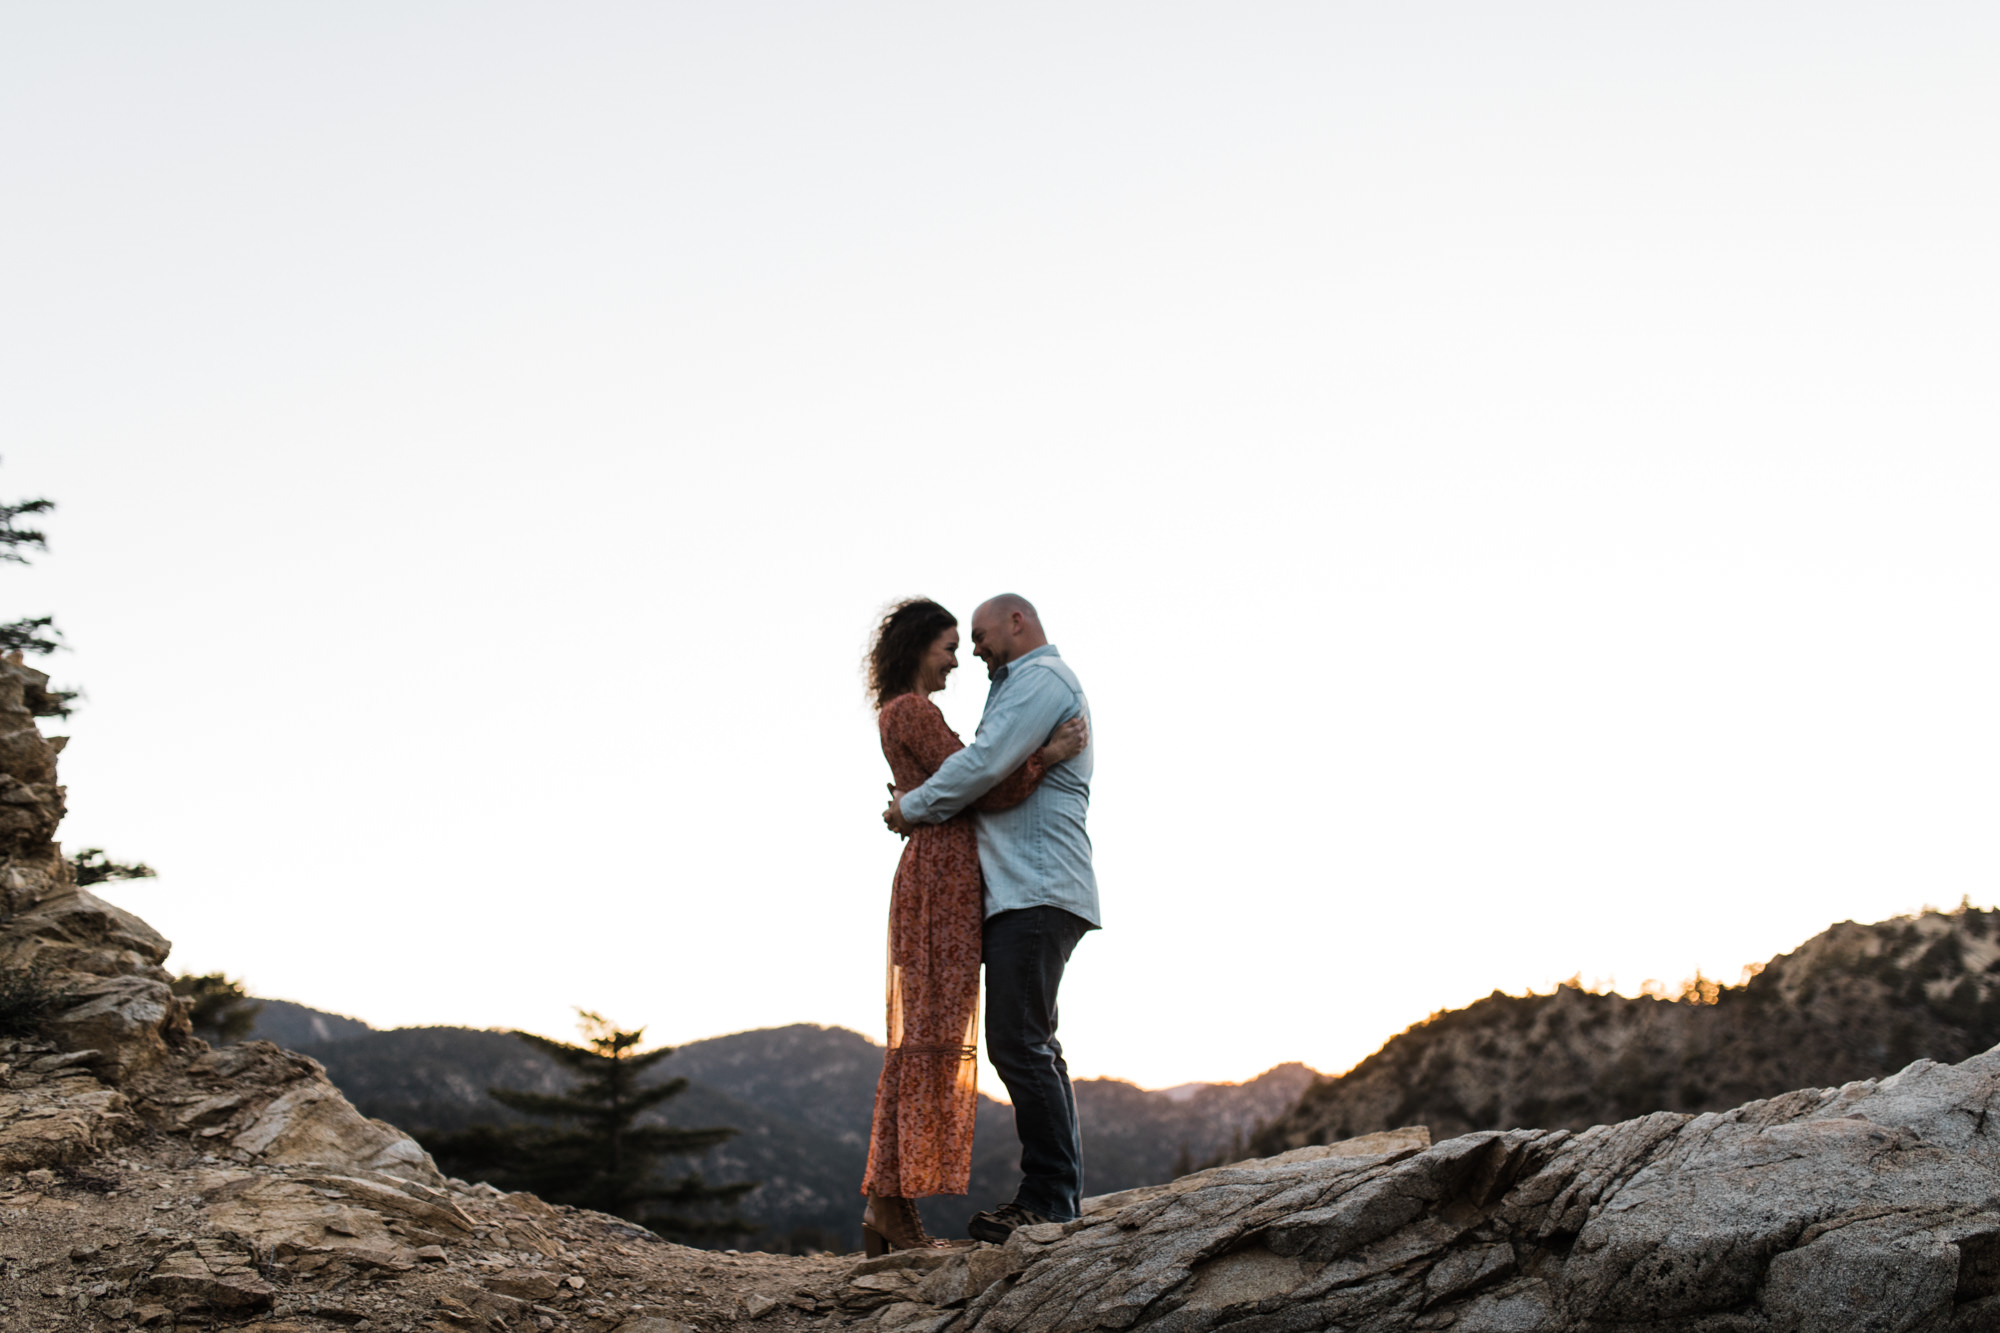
1517, 483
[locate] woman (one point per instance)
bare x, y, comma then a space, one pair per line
928, 1092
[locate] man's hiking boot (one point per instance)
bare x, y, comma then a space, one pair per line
999, 1223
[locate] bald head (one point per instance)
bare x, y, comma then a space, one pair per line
1004, 628
1011, 603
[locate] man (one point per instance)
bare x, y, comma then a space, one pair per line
1041, 895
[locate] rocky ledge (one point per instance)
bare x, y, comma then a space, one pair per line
147, 1181
1874, 1206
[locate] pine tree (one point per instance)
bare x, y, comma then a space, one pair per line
597, 1155
33, 634
37, 635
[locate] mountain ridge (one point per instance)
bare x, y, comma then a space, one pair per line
1855, 1001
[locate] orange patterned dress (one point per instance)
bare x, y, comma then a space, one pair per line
929, 1089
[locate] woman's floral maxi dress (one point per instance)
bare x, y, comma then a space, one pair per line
929, 1089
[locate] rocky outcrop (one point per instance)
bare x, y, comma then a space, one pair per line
1874, 1206
1854, 1002
120, 1058
104, 963
158, 1231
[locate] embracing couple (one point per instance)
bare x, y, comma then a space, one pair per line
996, 870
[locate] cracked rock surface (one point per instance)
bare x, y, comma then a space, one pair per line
158, 1234
1871, 1206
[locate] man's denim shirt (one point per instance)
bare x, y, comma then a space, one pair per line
1038, 852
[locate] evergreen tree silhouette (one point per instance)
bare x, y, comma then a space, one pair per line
597, 1156
93, 866
32, 634
37, 634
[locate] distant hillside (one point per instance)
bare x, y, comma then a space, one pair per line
803, 1097
1149, 1137
1856, 1001
293, 1026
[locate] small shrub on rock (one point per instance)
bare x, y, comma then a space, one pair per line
221, 1011
29, 996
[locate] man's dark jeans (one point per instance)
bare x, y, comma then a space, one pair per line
1025, 952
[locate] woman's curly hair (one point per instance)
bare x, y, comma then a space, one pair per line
897, 651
